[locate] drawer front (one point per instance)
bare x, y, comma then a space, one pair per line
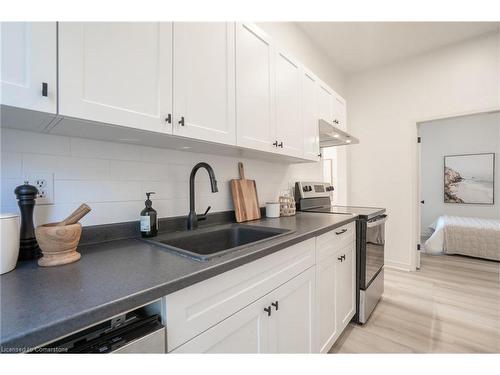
328, 243
195, 309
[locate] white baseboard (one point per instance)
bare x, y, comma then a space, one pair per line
399, 266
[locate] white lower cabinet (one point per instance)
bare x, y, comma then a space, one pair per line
279, 322
292, 314
335, 284
345, 285
297, 300
326, 320
247, 331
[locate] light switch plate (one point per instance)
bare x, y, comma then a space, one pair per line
44, 182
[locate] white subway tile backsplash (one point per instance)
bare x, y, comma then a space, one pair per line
66, 167
138, 171
89, 148
77, 191
113, 177
12, 165
23, 141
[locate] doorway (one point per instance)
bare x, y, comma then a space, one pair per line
442, 142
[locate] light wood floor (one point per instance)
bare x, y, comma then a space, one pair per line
452, 305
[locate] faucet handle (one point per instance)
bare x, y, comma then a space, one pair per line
204, 216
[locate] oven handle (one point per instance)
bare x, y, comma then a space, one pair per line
379, 220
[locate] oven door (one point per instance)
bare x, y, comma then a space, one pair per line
374, 242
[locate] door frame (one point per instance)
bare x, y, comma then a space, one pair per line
416, 177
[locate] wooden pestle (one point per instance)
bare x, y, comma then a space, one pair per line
75, 216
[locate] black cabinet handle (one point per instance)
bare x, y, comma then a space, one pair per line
340, 258
275, 143
181, 121
275, 304
343, 257
280, 145
342, 231
335, 121
45, 89
268, 310
169, 118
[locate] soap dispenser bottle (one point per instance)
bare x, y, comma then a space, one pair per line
149, 219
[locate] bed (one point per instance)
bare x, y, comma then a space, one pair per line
476, 237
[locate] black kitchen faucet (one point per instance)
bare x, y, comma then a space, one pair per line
192, 220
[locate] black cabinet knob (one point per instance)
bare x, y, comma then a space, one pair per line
339, 258
169, 118
275, 304
181, 121
281, 144
268, 310
275, 143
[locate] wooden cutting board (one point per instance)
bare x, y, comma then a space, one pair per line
245, 200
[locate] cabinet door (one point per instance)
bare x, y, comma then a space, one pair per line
310, 117
291, 329
255, 88
345, 284
289, 129
339, 112
247, 331
326, 322
325, 102
117, 72
28, 65
204, 81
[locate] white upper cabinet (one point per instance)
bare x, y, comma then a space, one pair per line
339, 112
255, 89
117, 72
28, 65
310, 115
204, 81
289, 129
325, 102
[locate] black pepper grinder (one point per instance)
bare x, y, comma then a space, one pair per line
28, 247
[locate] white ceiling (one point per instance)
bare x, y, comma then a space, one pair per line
355, 46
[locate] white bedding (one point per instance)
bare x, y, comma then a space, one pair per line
471, 236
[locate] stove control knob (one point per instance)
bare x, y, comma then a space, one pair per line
329, 188
309, 188
304, 189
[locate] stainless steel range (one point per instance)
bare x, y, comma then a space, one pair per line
370, 241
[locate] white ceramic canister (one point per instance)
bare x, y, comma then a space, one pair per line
9, 242
272, 209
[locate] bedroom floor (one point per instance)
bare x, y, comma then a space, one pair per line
452, 305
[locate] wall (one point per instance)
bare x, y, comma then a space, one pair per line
455, 136
113, 177
384, 106
293, 39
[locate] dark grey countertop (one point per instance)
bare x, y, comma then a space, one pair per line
39, 305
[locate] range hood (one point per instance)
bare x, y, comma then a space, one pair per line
331, 136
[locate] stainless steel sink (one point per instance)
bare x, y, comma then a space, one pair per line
207, 243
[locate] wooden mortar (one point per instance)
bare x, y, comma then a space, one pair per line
58, 243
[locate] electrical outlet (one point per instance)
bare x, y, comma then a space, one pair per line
44, 182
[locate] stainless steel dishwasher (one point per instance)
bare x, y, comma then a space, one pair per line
133, 332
